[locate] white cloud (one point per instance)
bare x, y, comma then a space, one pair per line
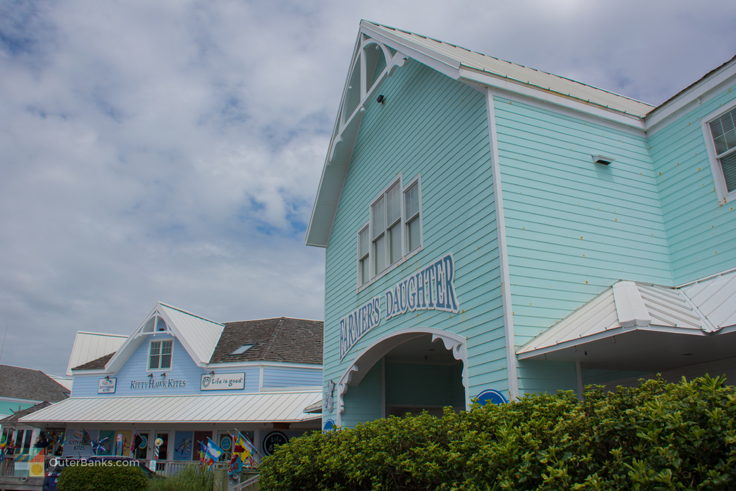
170, 150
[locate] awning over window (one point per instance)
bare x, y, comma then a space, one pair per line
641, 326
283, 407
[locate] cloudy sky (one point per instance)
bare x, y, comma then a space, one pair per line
171, 150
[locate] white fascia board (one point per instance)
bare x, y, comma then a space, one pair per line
690, 98
443, 64
536, 353
560, 100
15, 399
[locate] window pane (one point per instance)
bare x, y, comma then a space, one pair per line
155, 348
413, 234
411, 197
363, 267
728, 164
377, 214
166, 347
730, 139
166, 361
363, 242
715, 128
379, 252
393, 199
394, 237
154, 361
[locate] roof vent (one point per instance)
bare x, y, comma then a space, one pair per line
602, 160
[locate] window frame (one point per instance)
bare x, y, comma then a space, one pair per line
724, 196
373, 274
171, 359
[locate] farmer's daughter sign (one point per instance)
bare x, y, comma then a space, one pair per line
430, 288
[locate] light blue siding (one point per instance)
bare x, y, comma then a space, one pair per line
182, 368
274, 378
701, 231
573, 227
436, 128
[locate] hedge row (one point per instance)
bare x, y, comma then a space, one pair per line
654, 436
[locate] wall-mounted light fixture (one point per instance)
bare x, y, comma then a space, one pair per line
150, 375
381, 99
107, 377
212, 372
602, 160
163, 375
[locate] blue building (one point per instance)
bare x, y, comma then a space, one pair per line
492, 230
179, 379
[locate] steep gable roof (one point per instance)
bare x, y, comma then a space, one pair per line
26, 383
280, 339
197, 334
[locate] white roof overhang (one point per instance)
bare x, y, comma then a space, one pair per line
643, 326
242, 408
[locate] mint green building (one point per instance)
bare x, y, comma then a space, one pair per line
492, 230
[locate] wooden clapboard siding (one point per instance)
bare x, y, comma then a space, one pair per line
573, 227
701, 231
436, 128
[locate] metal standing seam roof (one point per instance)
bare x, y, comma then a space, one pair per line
522, 74
90, 346
701, 308
241, 408
199, 334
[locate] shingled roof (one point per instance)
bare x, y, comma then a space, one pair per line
34, 385
280, 339
96, 364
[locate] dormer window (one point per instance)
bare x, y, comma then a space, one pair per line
159, 355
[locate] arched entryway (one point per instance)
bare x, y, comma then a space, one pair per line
407, 371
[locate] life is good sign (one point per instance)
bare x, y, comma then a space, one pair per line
430, 288
225, 381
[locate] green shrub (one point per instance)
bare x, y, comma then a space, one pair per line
192, 478
109, 478
654, 436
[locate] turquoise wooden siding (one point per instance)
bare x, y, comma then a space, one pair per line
437, 128
701, 232
276, 377
573, 227
365, 402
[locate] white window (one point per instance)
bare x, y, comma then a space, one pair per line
394, 230
721, 129
159, 355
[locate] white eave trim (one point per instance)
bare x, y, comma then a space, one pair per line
537, 352
510, 86
682, 102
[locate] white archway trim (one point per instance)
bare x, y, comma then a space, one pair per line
366, 359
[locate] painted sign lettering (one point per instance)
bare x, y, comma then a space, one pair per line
430, 288
153, 384
222, 381
107, 385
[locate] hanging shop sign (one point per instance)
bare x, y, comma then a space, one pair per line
224, 381
430, 288
107, 385
152, 383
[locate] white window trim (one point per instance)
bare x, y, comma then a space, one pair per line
148, 356
373, 276
721, 190
367, 255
